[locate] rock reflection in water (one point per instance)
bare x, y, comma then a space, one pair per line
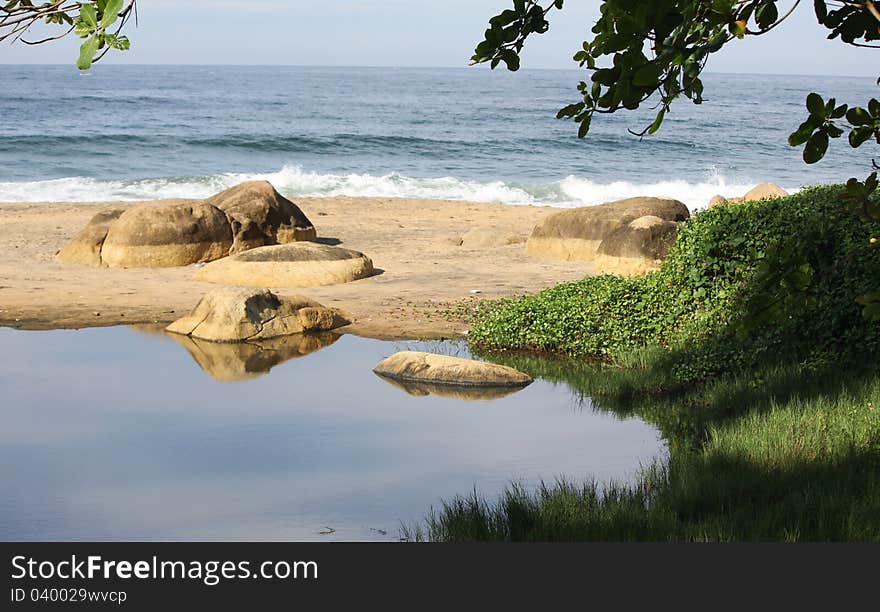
232, 362
460, 392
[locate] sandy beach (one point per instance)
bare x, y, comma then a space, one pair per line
412, 242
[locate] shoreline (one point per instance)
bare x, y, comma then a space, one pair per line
424, 274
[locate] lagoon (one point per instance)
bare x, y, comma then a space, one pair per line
119, 433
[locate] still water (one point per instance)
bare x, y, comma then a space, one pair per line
117, 433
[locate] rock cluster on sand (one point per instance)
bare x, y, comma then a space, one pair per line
243, 217
417, 367
761, 191
623, 237
299, 264
240, 314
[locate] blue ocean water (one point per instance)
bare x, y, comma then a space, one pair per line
139, 132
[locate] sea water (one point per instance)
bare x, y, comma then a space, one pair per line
143, 132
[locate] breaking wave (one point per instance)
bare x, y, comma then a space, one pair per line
294, 181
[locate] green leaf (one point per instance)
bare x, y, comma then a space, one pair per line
509, 57
815, 104
89, 15
859, 135
802, 134
821, 10
570, 111
839, 112
584, 127
816, 147
858, 116
87, 53
658, 121
766, 14
648, 75
111, 12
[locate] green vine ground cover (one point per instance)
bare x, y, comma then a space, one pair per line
747, 349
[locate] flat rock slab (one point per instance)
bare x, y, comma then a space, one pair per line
418, 367
457, 392
298, 264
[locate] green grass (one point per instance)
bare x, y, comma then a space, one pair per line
793, 458
747, 350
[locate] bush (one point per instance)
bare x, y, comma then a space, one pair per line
742, 284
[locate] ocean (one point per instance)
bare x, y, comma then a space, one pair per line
145, 132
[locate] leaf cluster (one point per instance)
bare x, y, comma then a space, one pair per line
98, 22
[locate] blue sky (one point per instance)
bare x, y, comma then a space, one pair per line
410, 33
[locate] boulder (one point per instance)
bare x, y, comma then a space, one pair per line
149, 236
482, 237
717, 200
233, 362
647, 237
86, 247
412, 366
260, 216
179, 233
636, 248
424, 389
239, 314
763, 191
298, 264
577, 234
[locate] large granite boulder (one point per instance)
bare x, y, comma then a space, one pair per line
240, 314
260, 216
647, 237
636, 248
298, 264
578, 234
233, 362
86, 247
761, 191
179, 233
764, 191
148, 236
413, 366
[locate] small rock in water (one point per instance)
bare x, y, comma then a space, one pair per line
476, 291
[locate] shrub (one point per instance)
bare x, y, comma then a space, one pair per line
742, 284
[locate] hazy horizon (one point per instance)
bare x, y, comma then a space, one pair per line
390, 34
708, 71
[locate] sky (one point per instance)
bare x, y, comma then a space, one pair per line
411, 33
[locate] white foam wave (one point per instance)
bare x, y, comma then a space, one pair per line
293, 181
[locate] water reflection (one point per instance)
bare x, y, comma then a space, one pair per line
234, 362
110, 434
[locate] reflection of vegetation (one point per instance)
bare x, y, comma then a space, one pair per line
771, 409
